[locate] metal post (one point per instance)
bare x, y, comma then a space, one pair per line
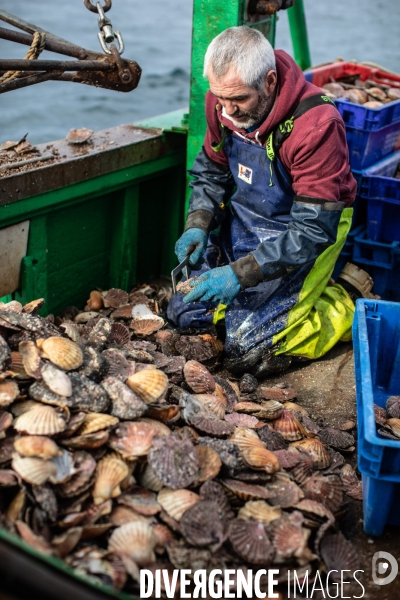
298, 32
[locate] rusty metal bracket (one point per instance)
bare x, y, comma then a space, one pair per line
108, 71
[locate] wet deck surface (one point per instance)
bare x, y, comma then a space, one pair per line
326, 388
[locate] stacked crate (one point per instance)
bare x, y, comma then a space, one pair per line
373, 138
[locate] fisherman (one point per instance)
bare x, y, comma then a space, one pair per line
269, 212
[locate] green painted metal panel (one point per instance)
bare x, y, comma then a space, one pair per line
298, 32
104, 232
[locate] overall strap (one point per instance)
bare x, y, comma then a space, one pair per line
284, 129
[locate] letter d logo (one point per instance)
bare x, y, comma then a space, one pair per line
382, 567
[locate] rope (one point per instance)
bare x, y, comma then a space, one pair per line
37, 47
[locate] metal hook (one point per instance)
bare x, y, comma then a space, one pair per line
92, 8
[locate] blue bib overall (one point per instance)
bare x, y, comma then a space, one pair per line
257, 212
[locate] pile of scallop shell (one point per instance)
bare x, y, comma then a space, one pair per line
121, 448
368, 93
388, 419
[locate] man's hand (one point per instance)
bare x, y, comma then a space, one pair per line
193, 242
219, 285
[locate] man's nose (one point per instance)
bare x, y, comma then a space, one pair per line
230, 107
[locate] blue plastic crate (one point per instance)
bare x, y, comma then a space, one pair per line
376, 340
367, 147
380, 190
382, 262
372, 133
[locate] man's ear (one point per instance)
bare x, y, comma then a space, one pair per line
270, 82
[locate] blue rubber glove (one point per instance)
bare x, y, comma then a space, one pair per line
219, 285
193, 242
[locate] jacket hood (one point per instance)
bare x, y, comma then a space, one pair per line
292, 86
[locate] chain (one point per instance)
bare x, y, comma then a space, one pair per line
106, 35
37, 47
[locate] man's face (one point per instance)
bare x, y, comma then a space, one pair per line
245, 105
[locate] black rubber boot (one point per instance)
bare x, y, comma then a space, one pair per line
271, 365
245, 363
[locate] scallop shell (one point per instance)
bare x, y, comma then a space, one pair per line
56, 380
85, 466
327, 490
289, 458
149, 385
212, 403
161, 428
119, 334
33, 470
115, 298
394, 426
211, 425
150, 481
19, 408
246, 491
17, 366
250, 541
65, 468
144, 321
6, 420
269, 409
125, 404
241, 420
288, 537
315, 511
338, 555
33, 307
62, 352
393, 407
295, 408
64, 543
283, 492
289, 427
198, 378
259, 510
174, 461
30, 358
209, 463
336, 438
123, 514
141, 500
97, 422
87, 442
176, 502
164, 412
380, 414
247, 408
272, 439
85, 317
246, 439
303, 469
133, 439
117, 364
316, 451
261, 458
40, 420
352, 486
37, 446
135, 539
110, 472
373, 104
248, 384
202, 525
95, 301
9, 391
79, 136
213, 341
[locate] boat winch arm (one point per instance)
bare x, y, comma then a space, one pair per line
106, 70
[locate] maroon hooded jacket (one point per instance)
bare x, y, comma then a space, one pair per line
315, 154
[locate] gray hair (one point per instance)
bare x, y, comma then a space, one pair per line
244, 49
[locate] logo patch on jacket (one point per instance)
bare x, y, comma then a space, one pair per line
245, 173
